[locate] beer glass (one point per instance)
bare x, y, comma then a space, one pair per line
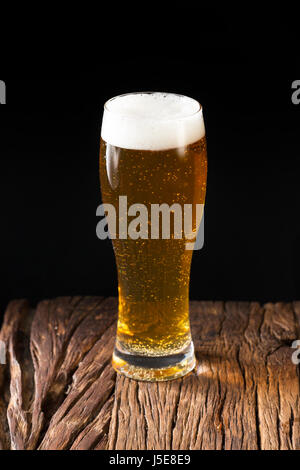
153, 165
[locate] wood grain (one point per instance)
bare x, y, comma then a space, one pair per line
59, 391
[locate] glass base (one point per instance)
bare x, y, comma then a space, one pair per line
154, 368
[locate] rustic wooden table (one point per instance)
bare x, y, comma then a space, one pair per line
59, 391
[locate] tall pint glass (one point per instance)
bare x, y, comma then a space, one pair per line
153, 169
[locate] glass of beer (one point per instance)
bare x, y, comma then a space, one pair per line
153, 161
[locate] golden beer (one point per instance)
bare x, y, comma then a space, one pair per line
153, 336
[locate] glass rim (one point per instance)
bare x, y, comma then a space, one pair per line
106, 105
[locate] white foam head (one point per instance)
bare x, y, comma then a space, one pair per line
152, 121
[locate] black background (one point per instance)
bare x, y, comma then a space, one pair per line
239, 63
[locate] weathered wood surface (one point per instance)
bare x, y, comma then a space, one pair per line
59, 391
